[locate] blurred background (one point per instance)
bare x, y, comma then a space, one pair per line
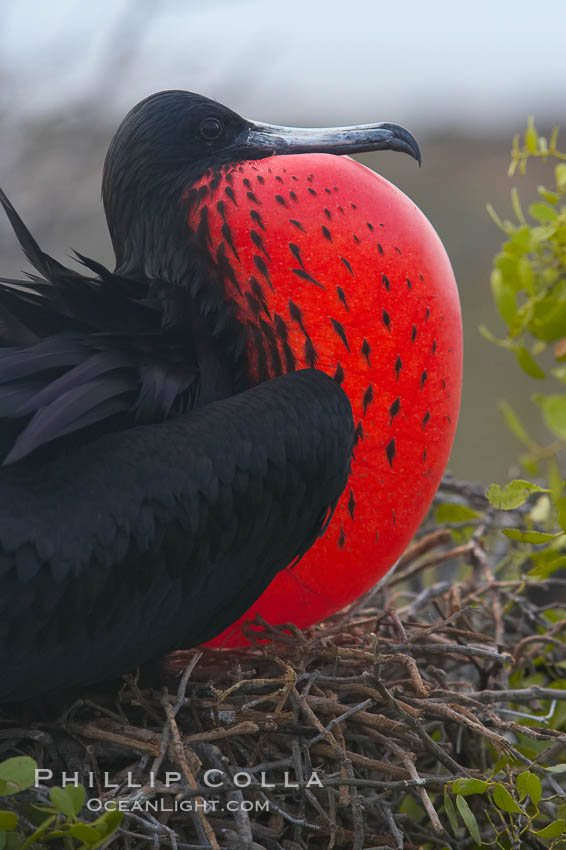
462, 78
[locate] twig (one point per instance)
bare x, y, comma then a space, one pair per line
181, 759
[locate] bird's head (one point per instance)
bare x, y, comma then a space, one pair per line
168, 141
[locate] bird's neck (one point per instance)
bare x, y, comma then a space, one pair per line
155, 243
149, 236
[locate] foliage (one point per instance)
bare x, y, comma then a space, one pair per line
512, 809
528, 282
509, 808
54, 823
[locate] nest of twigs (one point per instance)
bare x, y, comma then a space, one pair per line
384, 705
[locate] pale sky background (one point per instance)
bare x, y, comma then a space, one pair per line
473, 65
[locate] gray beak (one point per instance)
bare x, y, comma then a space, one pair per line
270, 139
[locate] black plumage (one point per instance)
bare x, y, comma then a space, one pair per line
81, 349
148, 492
121, 540
159, 536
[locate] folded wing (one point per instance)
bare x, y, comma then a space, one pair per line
159, 537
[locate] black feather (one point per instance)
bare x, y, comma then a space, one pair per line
51, 353
95, 366
78, 350
44, 264
65, 413
14, 395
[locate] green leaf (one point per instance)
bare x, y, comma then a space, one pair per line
526, 276
531, 136
541, 233
503, 799
513, 495
527, 363
63, 801
449, 512
518, 245
543, 213
494, 217
560, 177
549, 319
528, 784
556, 484
500, 764
506, 263
554, 615
560, 505
108, 822
556, 768
468, 817
515, 425
551, 197
555, 480
8, 820
530, 536
18, 773
86, 833
469, 786
546, 568
57, 833
450, 810
517, 206
554, 413
553, 830
504, 297
77, 796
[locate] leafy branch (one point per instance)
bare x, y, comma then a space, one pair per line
528, 283
513, 810
55, 823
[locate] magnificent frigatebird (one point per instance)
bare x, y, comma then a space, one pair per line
164, 453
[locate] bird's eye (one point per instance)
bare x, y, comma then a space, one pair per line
210, 129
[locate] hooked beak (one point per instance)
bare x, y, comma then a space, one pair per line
270, 139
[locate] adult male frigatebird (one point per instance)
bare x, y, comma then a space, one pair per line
164, 453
